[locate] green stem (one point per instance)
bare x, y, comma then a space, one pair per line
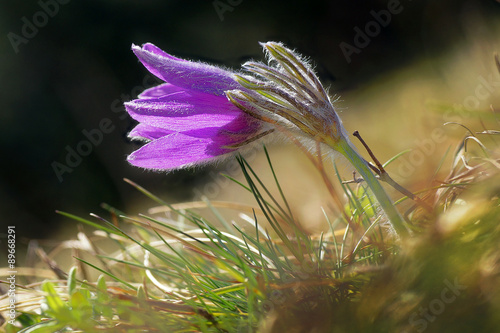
385, 202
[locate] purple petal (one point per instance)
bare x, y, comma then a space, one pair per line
161, 90
176, 151
183, 110
240, 129
146, 132
156, 50
185, 74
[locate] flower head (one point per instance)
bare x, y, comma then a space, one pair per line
188, 119
203, 112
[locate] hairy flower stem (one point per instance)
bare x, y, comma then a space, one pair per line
385, 202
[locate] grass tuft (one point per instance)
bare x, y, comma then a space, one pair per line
173, 270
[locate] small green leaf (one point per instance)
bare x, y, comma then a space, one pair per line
101, 283
49, 326
78, 300
72, 280
141, 294
54, 302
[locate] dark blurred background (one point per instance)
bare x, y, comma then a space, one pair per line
75, 69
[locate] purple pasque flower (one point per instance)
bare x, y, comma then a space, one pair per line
204, 112
188, 120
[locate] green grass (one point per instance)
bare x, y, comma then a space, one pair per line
272, 276
173, 270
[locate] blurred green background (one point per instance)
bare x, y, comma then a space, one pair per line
76, 68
